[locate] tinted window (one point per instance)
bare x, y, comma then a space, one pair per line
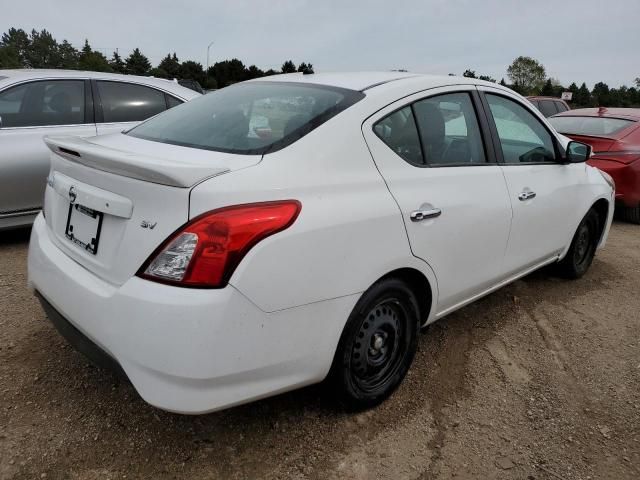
173, 101
523, 137
50, 102
548, 107
561, 107
126, 102
248, 118
449, 130
595, 126
399, 132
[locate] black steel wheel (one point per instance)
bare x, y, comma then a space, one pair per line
377, 345
583, 247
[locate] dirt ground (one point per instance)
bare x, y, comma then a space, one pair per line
540, 380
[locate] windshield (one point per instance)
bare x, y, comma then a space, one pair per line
590, 126
248, 118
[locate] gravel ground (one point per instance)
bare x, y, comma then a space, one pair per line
540, 380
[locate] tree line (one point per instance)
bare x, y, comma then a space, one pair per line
529, 77
39, 49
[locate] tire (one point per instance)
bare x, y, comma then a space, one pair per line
583, 247
377, 345
630, 214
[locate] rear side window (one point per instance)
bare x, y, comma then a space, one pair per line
248, 118
441, 130
449, 130
127, 102
548, 107
43, 103
173, 101
400, 133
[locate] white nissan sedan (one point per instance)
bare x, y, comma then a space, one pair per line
297, 227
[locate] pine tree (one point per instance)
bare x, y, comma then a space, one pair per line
288, 67
583, 97
16, 42
137, 63
68, 56
117, 64
92, 61
547, 90
305, 68
171, 65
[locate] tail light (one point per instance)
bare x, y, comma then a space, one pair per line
205, 252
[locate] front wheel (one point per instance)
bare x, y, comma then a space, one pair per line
377, 345
583, 247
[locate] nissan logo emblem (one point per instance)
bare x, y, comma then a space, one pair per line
72, 194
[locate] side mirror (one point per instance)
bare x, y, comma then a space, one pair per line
578, 152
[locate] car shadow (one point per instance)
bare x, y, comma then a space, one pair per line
16, 236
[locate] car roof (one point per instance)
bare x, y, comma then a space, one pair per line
362, 81
18, 75
630, 113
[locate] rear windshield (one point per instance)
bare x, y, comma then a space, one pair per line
593, 126
248, 118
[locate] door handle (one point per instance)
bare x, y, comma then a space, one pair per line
526, 195
423, 214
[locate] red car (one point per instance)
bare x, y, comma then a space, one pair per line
614, 135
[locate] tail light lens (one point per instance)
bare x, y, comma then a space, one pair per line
206, 251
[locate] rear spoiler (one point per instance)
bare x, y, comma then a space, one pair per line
149, 169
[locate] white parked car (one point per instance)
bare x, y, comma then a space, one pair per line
35, 103
215, 266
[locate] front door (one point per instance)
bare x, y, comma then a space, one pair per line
544, 192
453, 197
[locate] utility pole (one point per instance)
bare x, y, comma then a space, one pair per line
207, 71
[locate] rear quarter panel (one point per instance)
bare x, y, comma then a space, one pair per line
349, 232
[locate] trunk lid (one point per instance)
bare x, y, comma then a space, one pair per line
111, 200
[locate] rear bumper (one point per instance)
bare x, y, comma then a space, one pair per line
187, 350
78, 340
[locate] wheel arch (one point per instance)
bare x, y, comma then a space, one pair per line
601, 207
421, 287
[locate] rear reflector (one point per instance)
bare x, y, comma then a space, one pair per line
206, 251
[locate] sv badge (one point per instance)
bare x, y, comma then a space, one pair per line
147, 224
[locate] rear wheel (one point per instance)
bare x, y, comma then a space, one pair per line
377, 345
583, 247
629, 214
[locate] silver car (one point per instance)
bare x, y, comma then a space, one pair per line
35, 103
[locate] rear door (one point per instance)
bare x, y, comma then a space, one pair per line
29, 111
122, 105
431, 151
544, 193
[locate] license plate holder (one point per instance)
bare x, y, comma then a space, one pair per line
83, 227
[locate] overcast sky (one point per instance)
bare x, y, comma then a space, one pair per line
576, 40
